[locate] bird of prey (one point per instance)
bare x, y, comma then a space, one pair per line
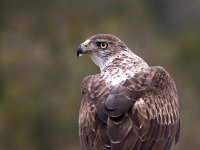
128, 105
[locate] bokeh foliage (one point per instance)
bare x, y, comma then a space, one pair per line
40, 75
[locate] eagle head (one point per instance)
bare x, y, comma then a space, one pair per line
102, 48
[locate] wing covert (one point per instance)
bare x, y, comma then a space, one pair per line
140, 112
145, 104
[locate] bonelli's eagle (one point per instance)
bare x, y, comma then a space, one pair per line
128, 105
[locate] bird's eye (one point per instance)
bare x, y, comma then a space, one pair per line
103, 45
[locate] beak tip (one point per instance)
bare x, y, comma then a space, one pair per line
79, 51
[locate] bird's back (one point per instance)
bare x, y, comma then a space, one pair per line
141, 113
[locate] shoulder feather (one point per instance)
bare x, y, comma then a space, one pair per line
146, 104
141, 113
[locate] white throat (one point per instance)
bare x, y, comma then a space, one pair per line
102, 63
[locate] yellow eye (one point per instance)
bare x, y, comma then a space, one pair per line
103, 45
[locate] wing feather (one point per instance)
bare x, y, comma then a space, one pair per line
141, 113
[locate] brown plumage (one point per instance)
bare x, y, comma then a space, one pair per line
129, 105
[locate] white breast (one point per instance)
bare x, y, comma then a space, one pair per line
118, 75
127, 67
116, 79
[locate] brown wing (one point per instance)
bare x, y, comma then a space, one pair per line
92, 130
142, 113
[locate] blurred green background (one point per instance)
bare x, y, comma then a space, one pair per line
40, 74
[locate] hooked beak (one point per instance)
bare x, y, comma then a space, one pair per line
80, 51
83, 48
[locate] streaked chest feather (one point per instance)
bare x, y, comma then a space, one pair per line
116, 76
118, 72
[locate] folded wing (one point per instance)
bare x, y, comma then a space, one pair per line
141, 113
